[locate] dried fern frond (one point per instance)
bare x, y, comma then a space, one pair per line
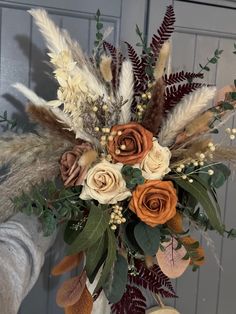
154, 113
48, 119
185, 112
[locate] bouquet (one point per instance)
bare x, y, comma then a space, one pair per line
124, 158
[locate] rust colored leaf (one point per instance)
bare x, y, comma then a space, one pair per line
71, 290
83, 306
171, 260
67, 264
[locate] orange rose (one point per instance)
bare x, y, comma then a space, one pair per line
130, 144
154, 202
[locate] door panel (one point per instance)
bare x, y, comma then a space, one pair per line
22, 59
200, 29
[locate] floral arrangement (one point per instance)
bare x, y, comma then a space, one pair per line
124, 158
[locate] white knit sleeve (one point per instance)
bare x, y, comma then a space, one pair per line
22, 249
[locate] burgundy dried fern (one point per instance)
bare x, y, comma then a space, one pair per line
153, 279
132, 302
174, 94
138, 64
164, 32
178, 77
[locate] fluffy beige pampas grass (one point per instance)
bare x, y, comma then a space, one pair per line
161, 62
54, 38
126, 90
31, 159
185, 112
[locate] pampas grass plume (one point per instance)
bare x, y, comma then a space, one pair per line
185, 111
161, 62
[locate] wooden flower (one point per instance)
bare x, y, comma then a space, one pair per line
154, 202
130, 143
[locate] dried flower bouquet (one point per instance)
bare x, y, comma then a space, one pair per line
138, 168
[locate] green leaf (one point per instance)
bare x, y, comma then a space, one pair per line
221, 174
227, 106
115, 286
70, 234
209, 189
137, 172
95, 255
127, 170
99, 36
200, 193
49, 223
110, 259
213, 60
215, 131
148, 238
233, 95
99, 26
96, 225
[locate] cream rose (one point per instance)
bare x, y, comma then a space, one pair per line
105, 184
156, 163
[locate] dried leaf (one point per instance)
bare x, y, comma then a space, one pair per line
83, 306
171, 260
67, 264
71, 290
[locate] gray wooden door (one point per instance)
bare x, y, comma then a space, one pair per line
22, 52
200, 29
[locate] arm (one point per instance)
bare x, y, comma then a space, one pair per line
22, 250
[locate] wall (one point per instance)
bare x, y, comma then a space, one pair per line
201, 28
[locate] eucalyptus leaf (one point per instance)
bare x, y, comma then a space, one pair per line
110, 259
94, 255
115, 286
148, 238
200, 193
209, 190
97, 223
129, 238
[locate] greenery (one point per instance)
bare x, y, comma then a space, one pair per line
132, 176
51, 205
8, 123
200, 193
99, 37
213, 60
148, 238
